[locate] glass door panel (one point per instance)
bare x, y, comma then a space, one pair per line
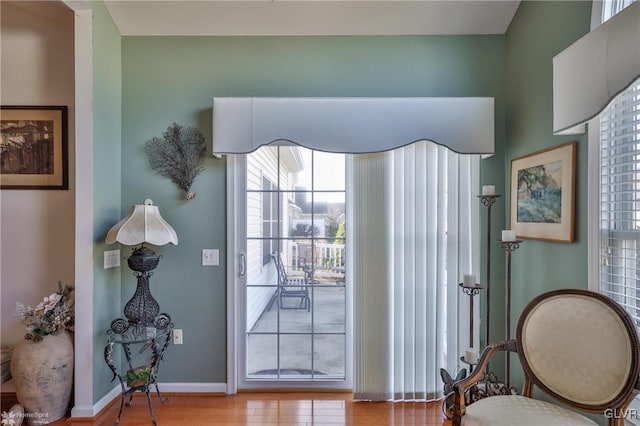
329, 310
329, 353
295, 291
262, 350
295, 355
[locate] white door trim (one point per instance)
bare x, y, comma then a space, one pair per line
236, 200
233, 222
84, 239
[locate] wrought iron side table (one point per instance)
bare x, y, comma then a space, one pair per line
157, 338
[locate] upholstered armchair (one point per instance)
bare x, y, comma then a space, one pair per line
579, 347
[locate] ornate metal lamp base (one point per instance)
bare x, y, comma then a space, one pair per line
142, 309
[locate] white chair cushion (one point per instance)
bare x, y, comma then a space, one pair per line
578, 347
510, 410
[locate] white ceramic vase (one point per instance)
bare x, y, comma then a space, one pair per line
43, 376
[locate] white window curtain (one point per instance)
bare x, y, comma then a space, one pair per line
614, 200
619, 209
614, 189
415, 236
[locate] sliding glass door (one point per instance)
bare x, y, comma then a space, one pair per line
293, 316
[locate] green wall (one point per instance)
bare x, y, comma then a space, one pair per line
173, 79
539, 31
107, 105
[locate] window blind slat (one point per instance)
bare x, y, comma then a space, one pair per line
620, 200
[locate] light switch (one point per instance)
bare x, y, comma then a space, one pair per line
177, 336
210, 257
111, 259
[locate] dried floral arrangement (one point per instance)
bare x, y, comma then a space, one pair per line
51, 316
178, 155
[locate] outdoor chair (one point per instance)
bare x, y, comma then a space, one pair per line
295, 287
579, 347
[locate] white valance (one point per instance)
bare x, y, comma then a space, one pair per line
593, 70
353, 125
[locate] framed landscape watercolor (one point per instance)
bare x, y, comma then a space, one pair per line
543, 194
33, 147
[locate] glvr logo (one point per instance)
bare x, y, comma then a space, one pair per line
617, 413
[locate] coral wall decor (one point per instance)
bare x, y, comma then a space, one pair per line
178, 155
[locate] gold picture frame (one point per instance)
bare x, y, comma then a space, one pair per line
33, 147
542, 204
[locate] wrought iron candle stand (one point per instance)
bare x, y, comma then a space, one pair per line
509, 247
475, 392
488, 201
471, 291
491, 384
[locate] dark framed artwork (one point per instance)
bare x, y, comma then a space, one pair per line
542, 204
34, 147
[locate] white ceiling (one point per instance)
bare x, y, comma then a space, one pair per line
303, 17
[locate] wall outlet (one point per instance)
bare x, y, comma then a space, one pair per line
177, 336
111, 259
210, 257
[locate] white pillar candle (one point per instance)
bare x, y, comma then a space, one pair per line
488, 190
508, 235
471, 355
469, 281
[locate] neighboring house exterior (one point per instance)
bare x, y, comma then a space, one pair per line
282, 218
263, 222
322, 219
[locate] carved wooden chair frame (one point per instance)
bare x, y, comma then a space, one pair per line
616, 404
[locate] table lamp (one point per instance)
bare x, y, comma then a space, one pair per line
142, 225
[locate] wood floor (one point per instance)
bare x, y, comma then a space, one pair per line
270, 409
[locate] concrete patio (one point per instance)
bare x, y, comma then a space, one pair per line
319, 332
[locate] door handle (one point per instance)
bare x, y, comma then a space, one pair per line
243, 264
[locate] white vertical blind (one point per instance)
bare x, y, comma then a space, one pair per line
372, 268
417, 235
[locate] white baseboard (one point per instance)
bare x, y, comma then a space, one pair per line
93, 411
164, 387
193, 387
